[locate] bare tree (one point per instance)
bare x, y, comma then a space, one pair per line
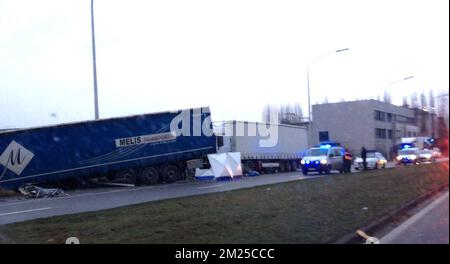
386, 97
405, 101
414, 100
298, 111
290, 114
269, 114
431, 103
442, 107
423, 101
282, 110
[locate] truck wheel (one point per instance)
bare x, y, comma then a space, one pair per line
148, 176
282, 166
293, 166
170, 173
126, 176
288, 166
249, 166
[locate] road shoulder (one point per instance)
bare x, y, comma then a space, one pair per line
406, 232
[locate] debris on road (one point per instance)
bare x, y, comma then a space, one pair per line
32, 191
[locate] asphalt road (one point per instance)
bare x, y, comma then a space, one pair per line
428, 226
20, 209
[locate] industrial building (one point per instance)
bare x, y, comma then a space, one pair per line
373, 124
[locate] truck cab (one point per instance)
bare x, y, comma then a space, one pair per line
323, 159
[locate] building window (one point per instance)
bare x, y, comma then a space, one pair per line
389, 117
380, 116
380, 133
398, 134
404, 119
390, 134
323, 136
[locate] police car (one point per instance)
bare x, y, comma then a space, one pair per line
408, 154
323, 159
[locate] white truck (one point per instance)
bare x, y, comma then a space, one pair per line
418, 142
264, 147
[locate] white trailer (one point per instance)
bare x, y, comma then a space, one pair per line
419, 142
264, 147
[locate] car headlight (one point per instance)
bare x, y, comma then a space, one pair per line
399, 157
323, 161
427, 156
413, 157
302, 161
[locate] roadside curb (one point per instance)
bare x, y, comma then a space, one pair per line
353, 238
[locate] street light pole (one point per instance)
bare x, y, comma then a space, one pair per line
441, 95
392, 121
309, 91
401, 80
94, 65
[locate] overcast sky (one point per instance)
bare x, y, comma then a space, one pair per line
235, 56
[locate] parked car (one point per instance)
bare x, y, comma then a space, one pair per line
374, 159
437, 153
426, 155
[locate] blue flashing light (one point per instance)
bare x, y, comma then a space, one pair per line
407, 146
327, 146
307, 162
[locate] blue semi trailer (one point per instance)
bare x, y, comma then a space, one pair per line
140, 149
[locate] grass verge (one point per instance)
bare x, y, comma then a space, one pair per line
313, 211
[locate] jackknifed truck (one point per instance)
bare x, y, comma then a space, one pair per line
145, 149
138, 149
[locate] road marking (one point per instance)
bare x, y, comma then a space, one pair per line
211, 186
118, 184
304, 176
402, 227
26, 211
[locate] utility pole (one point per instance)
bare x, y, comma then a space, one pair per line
94, 63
